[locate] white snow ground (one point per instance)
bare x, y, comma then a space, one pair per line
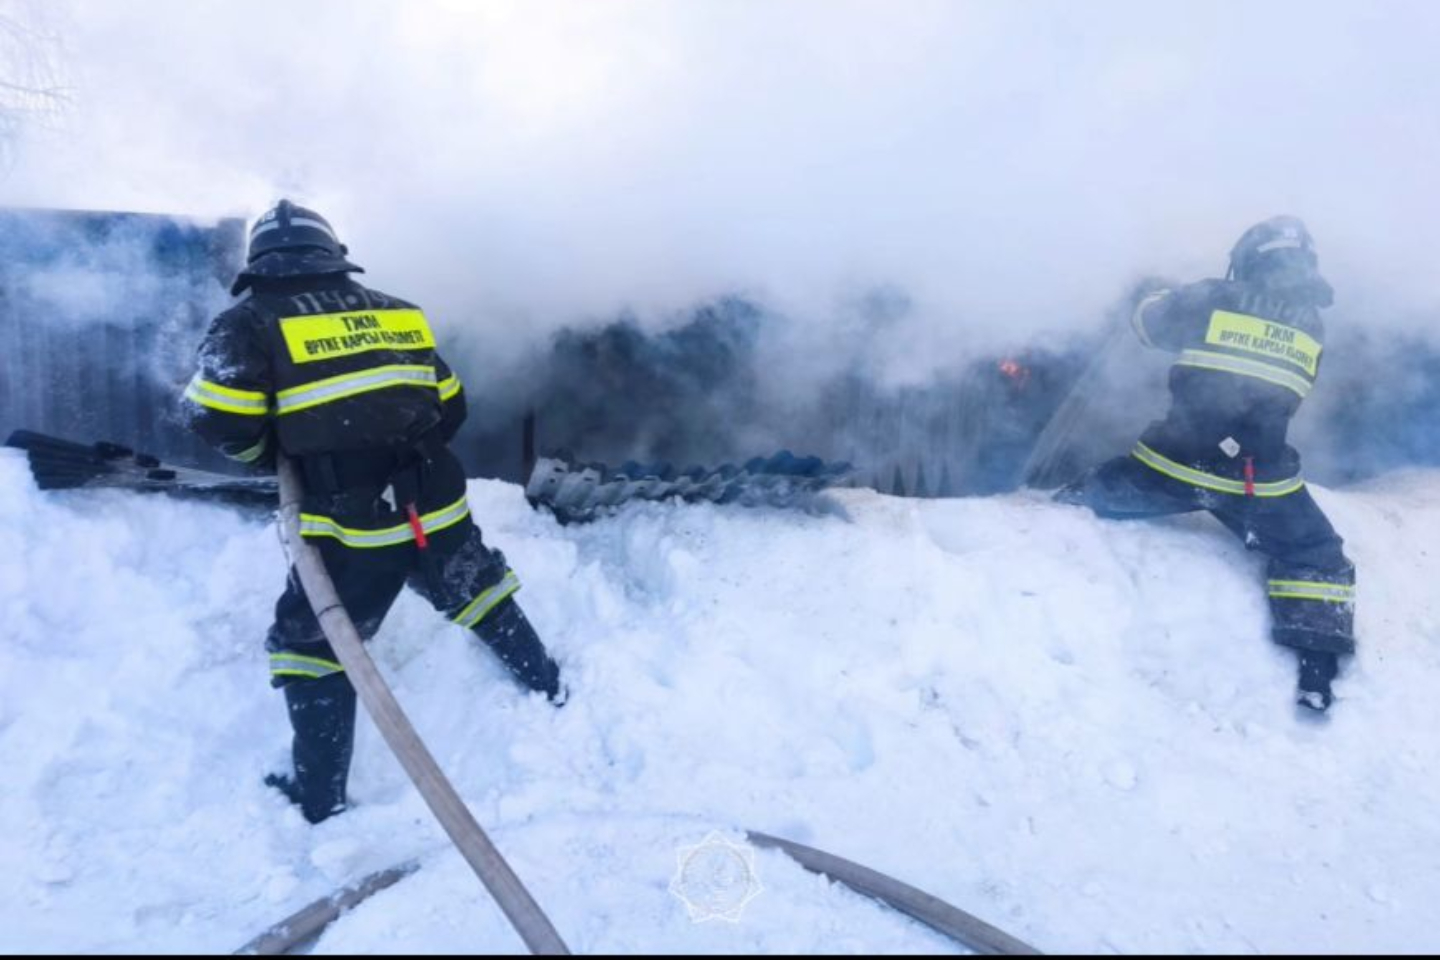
1076, 729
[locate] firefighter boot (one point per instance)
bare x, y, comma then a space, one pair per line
506, 631
1317, 669
322, 715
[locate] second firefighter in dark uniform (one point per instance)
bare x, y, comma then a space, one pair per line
347, 382
1249, 351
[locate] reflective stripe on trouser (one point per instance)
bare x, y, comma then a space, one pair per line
1210, 481
1312, 590
1313, 609
475, 611
296, 665
317, 525
1311, 582
472, 580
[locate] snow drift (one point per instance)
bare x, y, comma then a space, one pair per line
1075, 729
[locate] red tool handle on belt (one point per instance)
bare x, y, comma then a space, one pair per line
1249, 476
421, 540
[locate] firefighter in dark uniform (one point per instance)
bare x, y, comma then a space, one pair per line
347, 382
1249, 351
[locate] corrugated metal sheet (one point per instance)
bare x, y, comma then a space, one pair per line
100, 315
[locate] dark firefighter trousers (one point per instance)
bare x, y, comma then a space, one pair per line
462, 578
1310, 580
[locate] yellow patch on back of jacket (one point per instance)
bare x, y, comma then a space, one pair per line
1239, 331
325, 336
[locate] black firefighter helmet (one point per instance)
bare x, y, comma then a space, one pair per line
1279, 253
1268, 243
291, 241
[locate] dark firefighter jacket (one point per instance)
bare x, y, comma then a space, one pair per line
347, 381
1247, 358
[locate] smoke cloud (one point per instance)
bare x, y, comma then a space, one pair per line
1005, 171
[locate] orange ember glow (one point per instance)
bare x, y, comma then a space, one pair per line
1015, 371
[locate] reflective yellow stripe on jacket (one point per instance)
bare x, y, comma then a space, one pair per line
449, 387
254, 453
1137, 319
1210, 481
1241, 366
315, 525
331, 389
1266, 350
247, 403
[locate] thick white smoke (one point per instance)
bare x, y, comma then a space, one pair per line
522, 165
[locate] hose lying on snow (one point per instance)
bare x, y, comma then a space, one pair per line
307, 922
969, 931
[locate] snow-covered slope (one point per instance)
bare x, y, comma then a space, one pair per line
1076, 729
